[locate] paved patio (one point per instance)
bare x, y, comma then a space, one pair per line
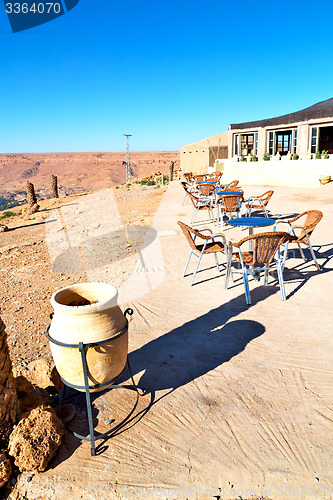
239, 399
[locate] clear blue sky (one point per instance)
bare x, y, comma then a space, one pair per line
168, 72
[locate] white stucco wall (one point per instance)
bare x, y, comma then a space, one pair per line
299, 173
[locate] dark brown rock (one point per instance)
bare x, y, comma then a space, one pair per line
9, 404
5, 468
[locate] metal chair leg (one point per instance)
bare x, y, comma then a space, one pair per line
246, 285
302, 253
228, 271
187, 262
281, 282
313, 255
196, 267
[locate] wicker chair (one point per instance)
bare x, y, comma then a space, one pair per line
209, 246
228, 204
188, 189
231, 186
260, 258
198, 178
258, 203
188, 176
206, 192
199, 205
312, 217
215, 176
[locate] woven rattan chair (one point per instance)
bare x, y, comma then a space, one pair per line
199, 205
188, 176
312, 217
258, 203
188, 189
215, 176
260, 258
209, 246
199, 178
231, 186
229, 204
206, 192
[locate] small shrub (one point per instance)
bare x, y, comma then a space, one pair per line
143, 182
266, 157
295, 156
165, 179
117, 187
5, 215
151, 183
254, 158
318, 155
128, 185
242, 158
324, 154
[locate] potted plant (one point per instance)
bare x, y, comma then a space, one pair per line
266, 157
318, 155
242, 158
324, 154
295, 156
254, 158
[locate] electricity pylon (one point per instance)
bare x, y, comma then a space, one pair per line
129, 171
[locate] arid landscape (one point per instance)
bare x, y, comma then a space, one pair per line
77, 172
238, 401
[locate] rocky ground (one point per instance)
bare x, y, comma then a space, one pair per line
26, 274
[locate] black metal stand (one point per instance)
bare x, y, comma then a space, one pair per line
82, 348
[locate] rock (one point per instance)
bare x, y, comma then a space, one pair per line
9, 404
30, 396
42, 373
35, 439
3, 228
5, 468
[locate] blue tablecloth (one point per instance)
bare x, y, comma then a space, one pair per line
251, 222
224, 193
207, 182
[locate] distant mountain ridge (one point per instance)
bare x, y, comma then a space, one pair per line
78, 171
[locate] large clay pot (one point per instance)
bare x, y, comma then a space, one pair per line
88, 312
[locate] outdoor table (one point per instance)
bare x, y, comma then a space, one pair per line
225, 193
207, 182
251, 222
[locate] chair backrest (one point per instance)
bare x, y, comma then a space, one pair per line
194, 199
215, 176
265, 245
184, 185
206, 189
230, 202
231, 185
199, 178
311, 220
190, 234
265, 197
188, 176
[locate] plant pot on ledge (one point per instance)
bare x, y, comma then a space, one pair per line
324, 179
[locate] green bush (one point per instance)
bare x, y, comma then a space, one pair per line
151, 183
5, 215
165, 179
242, 158
254, 158
295, 156
318, 155
266, 157
324, 154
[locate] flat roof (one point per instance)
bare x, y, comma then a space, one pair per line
323, 109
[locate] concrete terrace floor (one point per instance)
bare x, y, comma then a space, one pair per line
239, 401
